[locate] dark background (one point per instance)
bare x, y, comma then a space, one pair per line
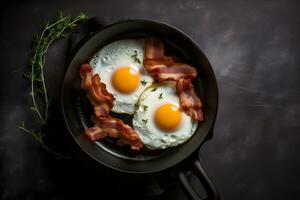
254, 49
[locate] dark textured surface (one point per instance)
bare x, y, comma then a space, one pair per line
254, 49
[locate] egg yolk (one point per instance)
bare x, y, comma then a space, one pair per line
125, 79
168, 117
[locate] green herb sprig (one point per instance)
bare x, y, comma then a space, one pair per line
52, 31
38, 136
135, 57
160, 96
153, 89
145, 107
144, 82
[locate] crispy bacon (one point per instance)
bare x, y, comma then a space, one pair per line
95, 133
163, 68
86, 74
135, 144
102, 101
98, 91
125, 130
99, 97
154, 54
102, 110
189, 101
154, 48
114, 128
174, 72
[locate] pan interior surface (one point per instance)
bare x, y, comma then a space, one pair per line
77, 110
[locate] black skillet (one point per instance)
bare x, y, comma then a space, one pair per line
77, 111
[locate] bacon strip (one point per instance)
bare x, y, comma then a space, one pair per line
154, 48
134, 144
102, 101
95, 133
163, 68
189, 101
99, 97
124, 130
114, 128
174, 72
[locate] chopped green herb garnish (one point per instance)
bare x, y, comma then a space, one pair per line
145, 107
160, 96
135, 57
143, 82
153, 89
145, 121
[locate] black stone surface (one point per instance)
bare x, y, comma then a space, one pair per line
254, 48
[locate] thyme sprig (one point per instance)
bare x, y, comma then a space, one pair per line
41, 101
38, 136
50, 33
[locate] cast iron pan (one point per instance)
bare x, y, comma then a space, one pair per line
77, 111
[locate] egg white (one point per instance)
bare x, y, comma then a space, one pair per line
144, 123
119, 54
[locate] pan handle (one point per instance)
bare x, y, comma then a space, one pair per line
198, 169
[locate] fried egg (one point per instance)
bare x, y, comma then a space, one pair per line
120, 66
158, 120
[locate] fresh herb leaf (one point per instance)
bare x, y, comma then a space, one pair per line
145, 107
135, 57
143, 82
153, 89
160, 96
145, 121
